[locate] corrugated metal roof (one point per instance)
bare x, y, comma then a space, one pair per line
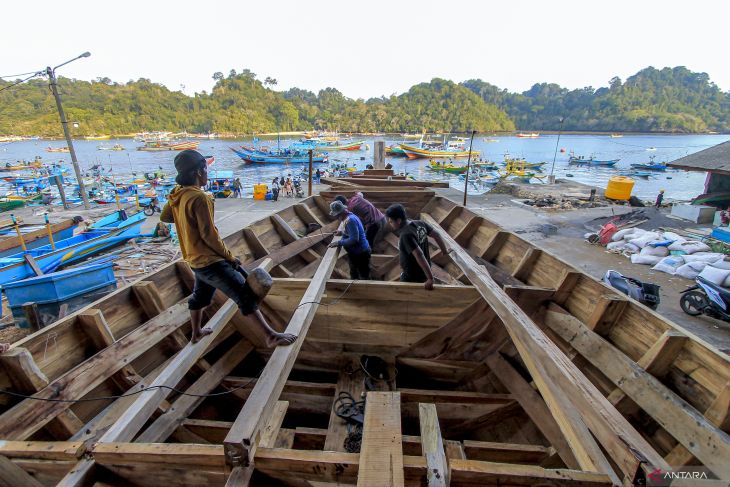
713, 159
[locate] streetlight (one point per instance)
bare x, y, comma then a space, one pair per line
51, 72
551, 177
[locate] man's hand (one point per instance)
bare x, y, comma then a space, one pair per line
338, 233
428, 285
333, 245
236, 262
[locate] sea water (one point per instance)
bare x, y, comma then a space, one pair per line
629, 149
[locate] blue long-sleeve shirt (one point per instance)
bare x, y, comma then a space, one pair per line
353, 237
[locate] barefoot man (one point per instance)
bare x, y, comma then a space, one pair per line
214, 266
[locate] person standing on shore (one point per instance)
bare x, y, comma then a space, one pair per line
275, 189
191, 210
415, 255
659, 198
354, 241
237, 187
372, 219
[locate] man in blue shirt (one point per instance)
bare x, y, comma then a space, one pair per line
354, 241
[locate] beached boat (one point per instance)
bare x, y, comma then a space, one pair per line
109, 231
416, 152
251, 156
158, 146
530, 135
34, 235
516, 369
57, 149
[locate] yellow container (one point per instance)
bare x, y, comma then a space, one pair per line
259, 196
619, 188
260, 188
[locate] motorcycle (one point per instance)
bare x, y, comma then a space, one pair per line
152, 207
298, 190
706, 298
644, 292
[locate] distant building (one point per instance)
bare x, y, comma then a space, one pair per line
715, 161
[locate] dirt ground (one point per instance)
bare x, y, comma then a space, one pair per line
569, 244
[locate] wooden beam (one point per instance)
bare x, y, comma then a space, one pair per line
565, 287
12, 475
468, 231
243, 438
350, 380
164, 425
293, 249
506, 452
534, 406
287, 233
453, 213
126, 427
33, 316
718, 414
381, 453
471, 472
524, 268
43, 450
703, 439
559, 379
28, 416
271, 430
495, 245
257, 247
607, 312
33, 264
306, 215
656, 361
432, 445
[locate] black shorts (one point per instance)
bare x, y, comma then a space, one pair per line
226, 278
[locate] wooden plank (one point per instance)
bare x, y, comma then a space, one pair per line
559, 379
257, 247
607, 312
33, 316
42, 450
524, 268
718, 414
293, 249
243, 438
432, 445
449, 217
12, 475
656, 361
271, 430
381, 453
468, 231
33, 264
534, 406
703, 439
240, 476
454, 450
164, 425
506, 452
495, 245
472, 472
126, 427
29, 416
287, 233
306, 215
350, 380
565, 288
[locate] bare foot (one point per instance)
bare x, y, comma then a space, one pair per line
197, 336
280, 339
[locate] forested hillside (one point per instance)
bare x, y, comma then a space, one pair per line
666, 100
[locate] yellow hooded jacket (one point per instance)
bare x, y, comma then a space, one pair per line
191, 209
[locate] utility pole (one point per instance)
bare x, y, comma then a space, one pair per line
51, 72
551, 176
468, 166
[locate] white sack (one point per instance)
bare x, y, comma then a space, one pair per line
715, 275
655, 251
645, 259
669, 264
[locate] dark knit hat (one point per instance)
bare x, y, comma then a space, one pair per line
186, 163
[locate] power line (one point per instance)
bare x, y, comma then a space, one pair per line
38, 73
21, 74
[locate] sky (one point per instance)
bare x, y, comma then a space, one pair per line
365, 49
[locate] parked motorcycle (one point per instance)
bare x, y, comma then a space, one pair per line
706, 298
644, 292
152, 207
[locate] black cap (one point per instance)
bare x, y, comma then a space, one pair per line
189, 160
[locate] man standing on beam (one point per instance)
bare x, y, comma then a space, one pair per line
191, 209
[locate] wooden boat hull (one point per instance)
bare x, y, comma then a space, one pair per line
10, 243
416, 153
251, 158
461, 361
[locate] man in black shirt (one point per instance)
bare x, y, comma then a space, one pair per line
415, 256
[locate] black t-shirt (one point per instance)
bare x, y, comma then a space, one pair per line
413, 234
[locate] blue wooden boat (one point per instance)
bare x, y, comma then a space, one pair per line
283, 157
651, 166
34, 236
591, 161
111, 230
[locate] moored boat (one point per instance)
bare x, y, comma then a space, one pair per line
446, 167
98, 137
157, 146
250, 156
34, 235
416, 152
573, 159
57, 149
528, 135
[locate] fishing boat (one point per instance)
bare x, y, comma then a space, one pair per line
36, 164
10, 204
516, 369
490, 140
251, 156
220, 183
485, 165
573, 159
416, 152
446, 167
351, 146
651, 165
57, 149
115, 147
34, 235
616, 136
523, 163
530, 135
111, 230
395, 151
98, 137
158, 146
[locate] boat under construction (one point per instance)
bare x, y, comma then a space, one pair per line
516, 369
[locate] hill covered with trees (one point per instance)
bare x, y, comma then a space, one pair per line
666, 100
